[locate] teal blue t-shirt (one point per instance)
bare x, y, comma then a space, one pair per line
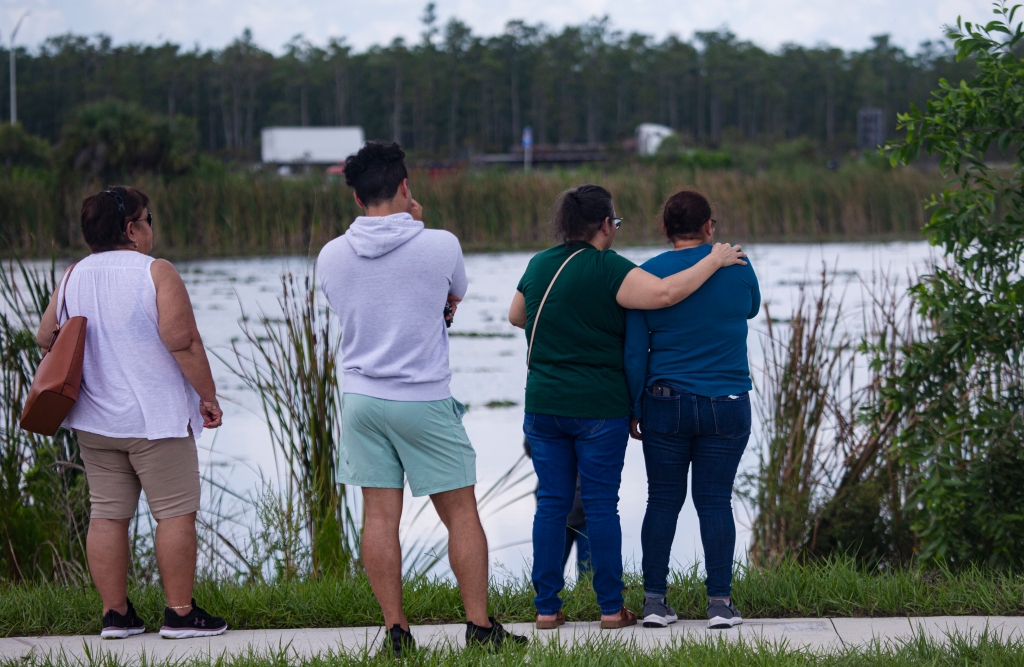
699, 344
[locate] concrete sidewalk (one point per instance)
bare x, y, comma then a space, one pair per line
813, 633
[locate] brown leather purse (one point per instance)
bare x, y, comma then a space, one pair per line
59, 376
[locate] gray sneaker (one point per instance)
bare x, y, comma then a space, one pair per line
722, 615
657, 613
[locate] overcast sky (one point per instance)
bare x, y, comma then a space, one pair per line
214, 23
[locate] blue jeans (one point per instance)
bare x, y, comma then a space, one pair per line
596, 449
711, 433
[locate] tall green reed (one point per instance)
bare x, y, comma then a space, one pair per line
803, 369
44, 508
252, 213
290, 363
828, 481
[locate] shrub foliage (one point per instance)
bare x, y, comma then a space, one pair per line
960, 387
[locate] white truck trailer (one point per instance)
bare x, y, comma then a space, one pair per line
310, 145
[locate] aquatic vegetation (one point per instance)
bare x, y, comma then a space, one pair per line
249, 214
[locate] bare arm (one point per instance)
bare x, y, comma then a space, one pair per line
517, 311
49, 322
643, 291
180, 335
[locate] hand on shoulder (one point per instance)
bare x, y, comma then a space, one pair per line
727, 255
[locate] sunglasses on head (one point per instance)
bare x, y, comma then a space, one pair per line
120, 210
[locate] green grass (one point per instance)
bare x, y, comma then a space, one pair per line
835, 588
982, 650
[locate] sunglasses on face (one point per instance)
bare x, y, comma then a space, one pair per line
617, 222
148, 218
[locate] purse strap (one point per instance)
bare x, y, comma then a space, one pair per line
536, 318
63, 307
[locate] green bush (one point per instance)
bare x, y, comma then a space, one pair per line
674, 152
962, 386
44, 506
777, 155
18, 148
113, 139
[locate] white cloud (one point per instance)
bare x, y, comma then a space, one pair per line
213, 23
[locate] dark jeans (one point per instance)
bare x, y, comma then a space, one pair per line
596, 450
711, 433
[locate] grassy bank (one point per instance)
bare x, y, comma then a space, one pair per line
836, 588
982, 651
245, 214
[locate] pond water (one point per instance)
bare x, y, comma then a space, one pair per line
488, 369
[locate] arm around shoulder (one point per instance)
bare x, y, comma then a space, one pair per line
642, 291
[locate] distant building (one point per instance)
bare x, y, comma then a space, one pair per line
649, 137
870, 128
310, 145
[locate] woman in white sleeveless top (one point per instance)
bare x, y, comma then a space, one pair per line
147, 393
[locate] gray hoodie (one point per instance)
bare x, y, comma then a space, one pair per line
388, 279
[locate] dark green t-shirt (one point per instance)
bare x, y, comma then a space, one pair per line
577, 365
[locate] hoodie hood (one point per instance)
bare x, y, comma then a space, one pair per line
374, 237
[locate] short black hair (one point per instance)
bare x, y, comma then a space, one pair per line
376, 171
685, 213
580, 212
103, 226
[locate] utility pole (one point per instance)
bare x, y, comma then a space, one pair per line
14, 82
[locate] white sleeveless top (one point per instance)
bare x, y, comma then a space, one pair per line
131, 385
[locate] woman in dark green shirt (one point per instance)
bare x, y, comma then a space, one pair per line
577, 399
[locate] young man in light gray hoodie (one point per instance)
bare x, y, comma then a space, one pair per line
389, 280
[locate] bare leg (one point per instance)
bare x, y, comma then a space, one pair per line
106, 546
176, 556
467, 549
382, 552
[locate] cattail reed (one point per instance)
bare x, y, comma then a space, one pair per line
251, 214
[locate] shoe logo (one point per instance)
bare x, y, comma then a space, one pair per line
201, 622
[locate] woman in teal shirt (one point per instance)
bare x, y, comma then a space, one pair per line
688, 377
577, 399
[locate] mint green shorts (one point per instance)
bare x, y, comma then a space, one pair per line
382, 442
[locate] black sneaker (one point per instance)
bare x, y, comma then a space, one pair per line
657, 613
491, 638
119, 626
722, 614
196, 623
401, 640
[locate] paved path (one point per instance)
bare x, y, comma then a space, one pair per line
814, 633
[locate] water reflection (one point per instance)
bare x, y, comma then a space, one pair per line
488, 360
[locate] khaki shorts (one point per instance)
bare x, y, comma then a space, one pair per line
117, 469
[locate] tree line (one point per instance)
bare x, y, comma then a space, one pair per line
452, 93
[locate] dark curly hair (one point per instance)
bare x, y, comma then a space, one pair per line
685, 213
103, 227
376, 171
580, 212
